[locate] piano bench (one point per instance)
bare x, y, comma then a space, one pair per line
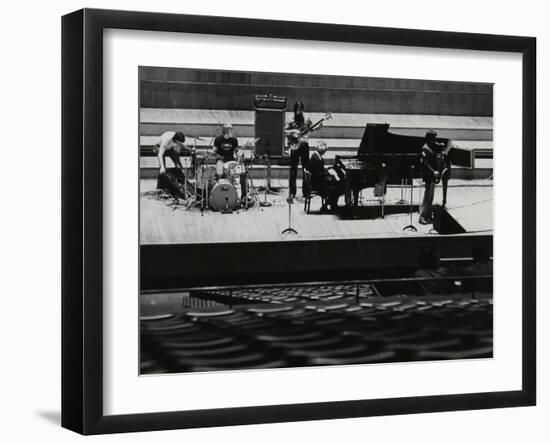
309, 192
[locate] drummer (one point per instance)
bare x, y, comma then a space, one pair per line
227, 146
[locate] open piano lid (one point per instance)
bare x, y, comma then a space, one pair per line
378, 140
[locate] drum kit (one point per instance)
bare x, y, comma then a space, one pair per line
213, 183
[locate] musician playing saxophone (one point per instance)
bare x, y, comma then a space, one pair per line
298, 145
434, 163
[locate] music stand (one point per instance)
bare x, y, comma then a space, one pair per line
265, 203
402, 200
267, 188
411, 227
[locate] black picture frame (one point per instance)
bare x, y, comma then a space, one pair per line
82, 218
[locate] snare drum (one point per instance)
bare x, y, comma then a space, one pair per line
223, 196
233, 168
239, 169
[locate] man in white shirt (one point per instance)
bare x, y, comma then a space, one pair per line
170, 145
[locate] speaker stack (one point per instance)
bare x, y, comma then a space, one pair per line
269, 124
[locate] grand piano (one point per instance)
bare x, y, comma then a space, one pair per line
382, 158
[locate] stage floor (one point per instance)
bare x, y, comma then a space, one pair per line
470, 202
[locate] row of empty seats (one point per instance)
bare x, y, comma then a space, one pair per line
287, 294
300, 325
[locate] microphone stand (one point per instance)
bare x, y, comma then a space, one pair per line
411, 227
402, 200
290, 229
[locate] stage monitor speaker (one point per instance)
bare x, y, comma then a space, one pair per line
444, 223
269, 101
269, 127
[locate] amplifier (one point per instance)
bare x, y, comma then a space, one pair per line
269, 129
462, 157
269, 101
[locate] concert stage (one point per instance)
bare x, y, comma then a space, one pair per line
470, 203
183, 247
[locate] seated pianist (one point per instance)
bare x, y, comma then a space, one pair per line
324, 181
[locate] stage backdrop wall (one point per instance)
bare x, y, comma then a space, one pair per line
194, 89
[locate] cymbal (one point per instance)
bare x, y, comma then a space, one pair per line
212, 154
251, 142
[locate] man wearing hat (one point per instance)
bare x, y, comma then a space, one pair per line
429, 161
170, 144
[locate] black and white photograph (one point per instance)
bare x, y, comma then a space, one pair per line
275, 221
293, 220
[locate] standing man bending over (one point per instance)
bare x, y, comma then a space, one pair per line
170, 144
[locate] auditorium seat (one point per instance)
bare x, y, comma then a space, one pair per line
309, 331
270, 308
208, 313
481, 352
380, 357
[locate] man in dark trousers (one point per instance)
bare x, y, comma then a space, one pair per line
170, 144
324, 181
432, 166
297, 144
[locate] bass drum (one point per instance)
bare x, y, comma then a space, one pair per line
223, 196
